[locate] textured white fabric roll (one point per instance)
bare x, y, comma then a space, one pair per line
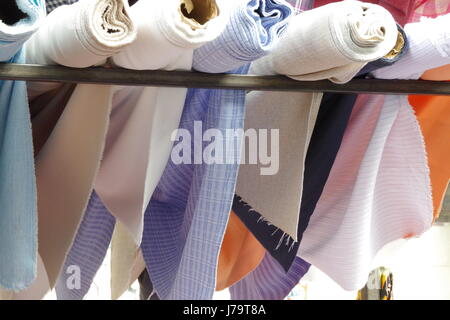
331, 42
143, 119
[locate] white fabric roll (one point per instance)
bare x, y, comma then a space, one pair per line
331, 42
83, 34
143, 119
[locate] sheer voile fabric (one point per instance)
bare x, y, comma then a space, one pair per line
19, 19
332, 42
80, 35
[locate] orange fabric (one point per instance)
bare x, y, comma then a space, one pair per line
240, 254
433, 113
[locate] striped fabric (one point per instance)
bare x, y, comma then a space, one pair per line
88, 250
269, 281
186, 220
53, 4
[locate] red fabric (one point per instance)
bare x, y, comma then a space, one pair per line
405, 11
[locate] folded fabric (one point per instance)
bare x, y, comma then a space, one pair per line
188, 213
430, 9
141, 125
402, 10
433, 116
371, 197
80, 35
19, 19
269, 281
312, 49
88, 250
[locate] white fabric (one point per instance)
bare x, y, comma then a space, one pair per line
143, 119
429, 48
76, 36
331, 42
378, 191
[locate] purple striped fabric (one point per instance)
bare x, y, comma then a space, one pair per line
88, 250
269, 281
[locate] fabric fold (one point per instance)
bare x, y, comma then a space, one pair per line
19, 19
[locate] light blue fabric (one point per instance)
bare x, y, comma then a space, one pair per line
18, 224
187, 216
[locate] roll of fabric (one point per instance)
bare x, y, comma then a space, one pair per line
323, 43
189, 210
79, 35
141, 125
371, 197
19, 19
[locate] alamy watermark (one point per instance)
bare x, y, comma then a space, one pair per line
214, 146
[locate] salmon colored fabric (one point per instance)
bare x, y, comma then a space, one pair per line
433, 113
240, 254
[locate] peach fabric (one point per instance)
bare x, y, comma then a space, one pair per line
433, 113
240, 254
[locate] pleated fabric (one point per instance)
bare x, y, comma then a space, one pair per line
80, 35
186, 219
18, 218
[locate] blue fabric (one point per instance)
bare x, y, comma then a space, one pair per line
18, 224
187, 216
88, 250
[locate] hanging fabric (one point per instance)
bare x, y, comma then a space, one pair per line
19, 19
80, 35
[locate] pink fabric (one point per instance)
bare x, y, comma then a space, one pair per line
430, 9
378, 191
401, 10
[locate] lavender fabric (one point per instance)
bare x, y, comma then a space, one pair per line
269, 281
88, 250
185, 222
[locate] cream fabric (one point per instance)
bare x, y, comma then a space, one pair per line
80, 35
331, 42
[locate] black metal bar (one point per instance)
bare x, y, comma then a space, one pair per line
100, 75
